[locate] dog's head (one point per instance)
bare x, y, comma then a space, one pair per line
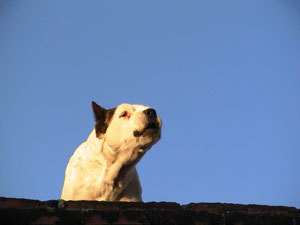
127, 126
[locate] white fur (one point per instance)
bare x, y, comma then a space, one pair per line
103, 168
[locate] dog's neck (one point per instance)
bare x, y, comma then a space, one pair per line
116, 168
92, 137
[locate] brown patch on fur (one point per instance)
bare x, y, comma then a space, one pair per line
102, 118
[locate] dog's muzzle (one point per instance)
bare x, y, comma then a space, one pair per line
152, 126
151, 113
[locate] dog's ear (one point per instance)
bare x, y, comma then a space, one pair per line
102, 118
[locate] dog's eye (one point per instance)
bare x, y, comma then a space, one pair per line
125, 114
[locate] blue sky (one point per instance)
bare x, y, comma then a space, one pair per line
223, 75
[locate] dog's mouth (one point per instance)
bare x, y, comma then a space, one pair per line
150, 129
152, 125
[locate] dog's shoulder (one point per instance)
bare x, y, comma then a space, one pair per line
87, 151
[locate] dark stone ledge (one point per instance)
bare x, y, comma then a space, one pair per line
25, 211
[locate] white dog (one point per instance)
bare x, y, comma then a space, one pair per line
103, 167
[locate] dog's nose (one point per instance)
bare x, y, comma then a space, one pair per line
150, 112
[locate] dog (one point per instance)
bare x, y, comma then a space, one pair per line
103, 167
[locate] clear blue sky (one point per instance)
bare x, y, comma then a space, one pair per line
223, 75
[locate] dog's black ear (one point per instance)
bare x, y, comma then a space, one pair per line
99, 112
102, 118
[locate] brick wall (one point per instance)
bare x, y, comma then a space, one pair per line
25, 211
